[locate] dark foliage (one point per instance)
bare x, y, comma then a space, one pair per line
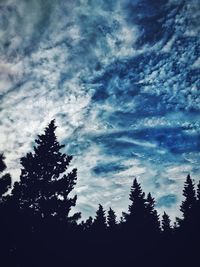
111, 219
37, 228
190, 199
99, 224
44, 187
166, 224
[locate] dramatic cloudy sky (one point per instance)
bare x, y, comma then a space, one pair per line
120, 77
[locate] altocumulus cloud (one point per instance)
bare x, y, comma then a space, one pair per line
121, 78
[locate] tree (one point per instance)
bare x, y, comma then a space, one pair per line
166, 223
152, 218
5, 180
188, 204
100, 220
87, 224
44, 186
111, 219
136, 216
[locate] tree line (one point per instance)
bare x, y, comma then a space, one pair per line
38, 229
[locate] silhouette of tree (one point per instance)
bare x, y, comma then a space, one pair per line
5, 180
190, 199
44, 187
87, 224
135, 219
166, 223
152, 218
111, 219
100, 219
42, 198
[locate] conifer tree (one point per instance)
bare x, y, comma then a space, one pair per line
188, 204
136, 209
111, 219
152, 218
166, 223
87, 224
100, 220
44, 186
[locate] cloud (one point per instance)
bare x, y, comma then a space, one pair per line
167, 200
121, 79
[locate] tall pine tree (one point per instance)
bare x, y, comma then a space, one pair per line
111, 219
152, 218
136, 216
166, 224
187, 206
99, 224
44, 185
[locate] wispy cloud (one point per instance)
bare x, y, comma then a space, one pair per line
120, 77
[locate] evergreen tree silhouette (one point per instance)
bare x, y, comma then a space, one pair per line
166, 223
44, 186
87, 224
111, 219
188, 205
5, 180
135, 219
152, 218
99, 224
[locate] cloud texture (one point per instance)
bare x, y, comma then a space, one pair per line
121, 78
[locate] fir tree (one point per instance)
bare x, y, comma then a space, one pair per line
136, 209
87, 224
166, 223
100, 220
190, 199
152, 218
44, 186
111, 219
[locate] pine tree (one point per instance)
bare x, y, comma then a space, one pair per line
166, 223
87, 224
190, 199
137, 207
5, 180
111, 219
152, 218
44, 186
100, 220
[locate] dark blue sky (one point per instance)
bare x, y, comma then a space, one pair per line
122, 80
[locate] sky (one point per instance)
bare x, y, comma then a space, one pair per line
122, 80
